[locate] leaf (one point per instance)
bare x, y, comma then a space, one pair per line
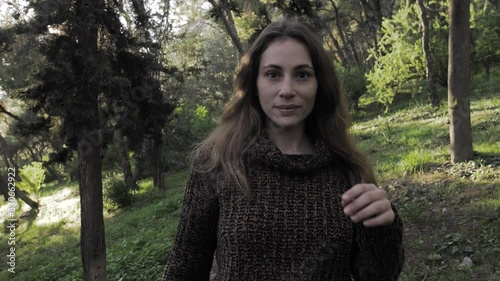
468, 249
454, 249
434, 257
457, 237
444, 246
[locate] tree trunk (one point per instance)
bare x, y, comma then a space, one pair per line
7, 158
157, 157
227, 19
9, 162
92, 240
426, 46
343, 57
139, 154
53, 171
23, 196
487, 70
458, 81
124, 160
373, 15
4, 190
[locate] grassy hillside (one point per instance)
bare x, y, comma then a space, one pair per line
451, 212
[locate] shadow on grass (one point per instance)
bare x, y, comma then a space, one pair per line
30, 217
447, 220
488, 158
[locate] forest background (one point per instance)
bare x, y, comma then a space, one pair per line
101, 102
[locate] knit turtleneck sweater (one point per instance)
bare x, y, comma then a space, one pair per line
291, 227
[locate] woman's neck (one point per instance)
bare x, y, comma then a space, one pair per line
291, 141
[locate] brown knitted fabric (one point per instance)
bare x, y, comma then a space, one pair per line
292, 227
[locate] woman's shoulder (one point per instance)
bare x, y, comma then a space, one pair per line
202, 154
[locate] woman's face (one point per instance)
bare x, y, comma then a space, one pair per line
286, 84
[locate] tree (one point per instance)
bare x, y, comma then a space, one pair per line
431, 86
458, 81
223, 11
398, 57
485, 33
353, 82
121, 147
4, 150
92, 239
86, 62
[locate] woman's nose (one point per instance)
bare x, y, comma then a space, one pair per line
287, 89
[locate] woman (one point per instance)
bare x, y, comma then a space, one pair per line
278, 190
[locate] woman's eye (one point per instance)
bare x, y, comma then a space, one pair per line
272, 75
303, 75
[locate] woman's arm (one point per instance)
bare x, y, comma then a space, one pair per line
377, 252
192, 254
377, 245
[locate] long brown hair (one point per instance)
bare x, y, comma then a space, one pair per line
242, 118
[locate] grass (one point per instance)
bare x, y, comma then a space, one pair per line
451, 212
138, 239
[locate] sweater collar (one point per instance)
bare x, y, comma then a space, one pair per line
265, 153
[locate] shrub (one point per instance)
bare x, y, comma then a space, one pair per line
353, 81
32, 177
399, 57
116, 191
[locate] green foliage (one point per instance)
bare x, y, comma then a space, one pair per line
116, 191
143, 234
196, 117
201, 122
111, 159
415, 161
193, 122
32, 177
247, 24
386, 131
439, 31
208, 59
399, 55
353, 81
485, 32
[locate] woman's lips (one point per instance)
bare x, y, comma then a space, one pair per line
287, 109
290, 106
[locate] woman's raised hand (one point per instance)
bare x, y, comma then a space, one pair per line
368, 204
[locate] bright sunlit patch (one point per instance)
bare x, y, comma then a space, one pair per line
61, 206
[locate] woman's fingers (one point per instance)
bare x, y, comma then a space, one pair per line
368, 195
382, 219
372, 211
368, 204
355, 191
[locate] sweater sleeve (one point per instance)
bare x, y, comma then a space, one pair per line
378, 253
195, 242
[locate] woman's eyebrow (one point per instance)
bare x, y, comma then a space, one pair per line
304, 66
275, 66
